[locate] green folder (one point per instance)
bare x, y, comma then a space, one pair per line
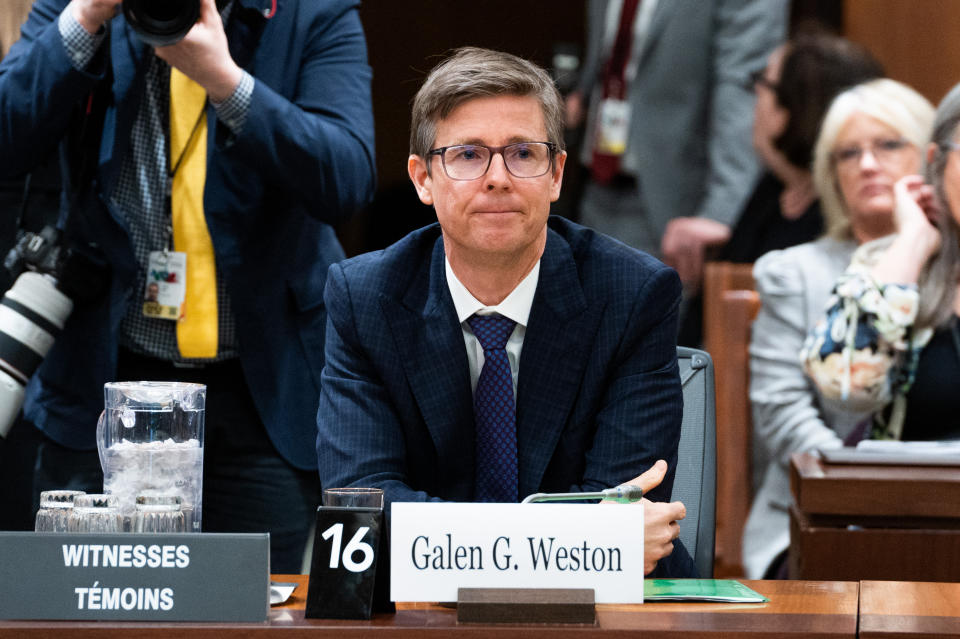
720, 590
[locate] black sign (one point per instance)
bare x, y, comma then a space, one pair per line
344, 566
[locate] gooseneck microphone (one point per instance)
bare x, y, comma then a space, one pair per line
624, 494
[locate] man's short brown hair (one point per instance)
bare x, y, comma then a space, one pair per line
472, 72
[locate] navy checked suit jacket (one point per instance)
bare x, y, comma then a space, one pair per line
598, 396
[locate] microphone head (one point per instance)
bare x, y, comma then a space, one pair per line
629, 492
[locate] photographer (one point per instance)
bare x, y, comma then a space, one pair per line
237, 148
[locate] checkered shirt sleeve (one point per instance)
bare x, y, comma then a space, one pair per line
80, 45
233, 111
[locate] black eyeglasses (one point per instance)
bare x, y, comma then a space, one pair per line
522, 159
760, 77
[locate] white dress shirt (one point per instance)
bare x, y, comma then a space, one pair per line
515, 306
641, 29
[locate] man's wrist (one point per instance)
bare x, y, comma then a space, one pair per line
91, 21
221, 87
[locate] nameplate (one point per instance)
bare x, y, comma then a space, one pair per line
436, 548
145, 577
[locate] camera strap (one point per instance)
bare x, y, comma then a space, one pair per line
84, 147
80, 146
174, 166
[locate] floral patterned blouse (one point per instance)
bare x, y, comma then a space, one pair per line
865, 349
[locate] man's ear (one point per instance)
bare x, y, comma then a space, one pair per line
557, 178
422, 182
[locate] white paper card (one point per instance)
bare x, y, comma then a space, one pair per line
436, 548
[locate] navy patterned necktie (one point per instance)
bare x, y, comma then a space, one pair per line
495, 412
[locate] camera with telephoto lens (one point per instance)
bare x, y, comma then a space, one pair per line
50, 276
161, 23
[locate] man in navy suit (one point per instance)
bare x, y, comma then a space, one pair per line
591, 324
289, 153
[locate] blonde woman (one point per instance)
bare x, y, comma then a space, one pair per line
872, 135
889, 343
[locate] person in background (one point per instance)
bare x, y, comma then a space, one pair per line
872, 135
801, 79
792, 93
889, 343
239, 146
663, 92
502, 352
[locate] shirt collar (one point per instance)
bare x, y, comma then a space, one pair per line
515, 306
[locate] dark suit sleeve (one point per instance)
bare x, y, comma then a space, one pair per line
359, 436
317, 145
638, 420
639, 417
38, 88
642, 408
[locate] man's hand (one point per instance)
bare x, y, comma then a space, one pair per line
685, 243
660, 528
93, 14
204, 55
660, 525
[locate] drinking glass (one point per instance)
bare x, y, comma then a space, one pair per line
94, 513
55, 508
158, 514
353, 497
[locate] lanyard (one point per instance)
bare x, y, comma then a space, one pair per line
172, 172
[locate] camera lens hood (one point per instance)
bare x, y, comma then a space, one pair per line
161, 23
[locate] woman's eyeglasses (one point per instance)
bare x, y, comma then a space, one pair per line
883, 151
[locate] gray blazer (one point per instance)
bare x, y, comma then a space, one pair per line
789, 415
690, 130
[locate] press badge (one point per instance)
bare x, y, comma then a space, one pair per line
166, 285
614, 127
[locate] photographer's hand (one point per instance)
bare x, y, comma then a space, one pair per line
204, 56
93, 14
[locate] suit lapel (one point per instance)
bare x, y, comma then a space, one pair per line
430, 342
127, 66
556, 348
661, 14
246, 24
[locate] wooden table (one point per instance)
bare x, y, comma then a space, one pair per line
854, 522
796, 609
914, 610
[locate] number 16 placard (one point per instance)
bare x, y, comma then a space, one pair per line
344, 564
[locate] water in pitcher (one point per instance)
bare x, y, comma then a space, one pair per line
166, 467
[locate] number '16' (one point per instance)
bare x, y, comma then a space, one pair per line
354, 545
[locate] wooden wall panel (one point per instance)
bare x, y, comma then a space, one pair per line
918, 41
